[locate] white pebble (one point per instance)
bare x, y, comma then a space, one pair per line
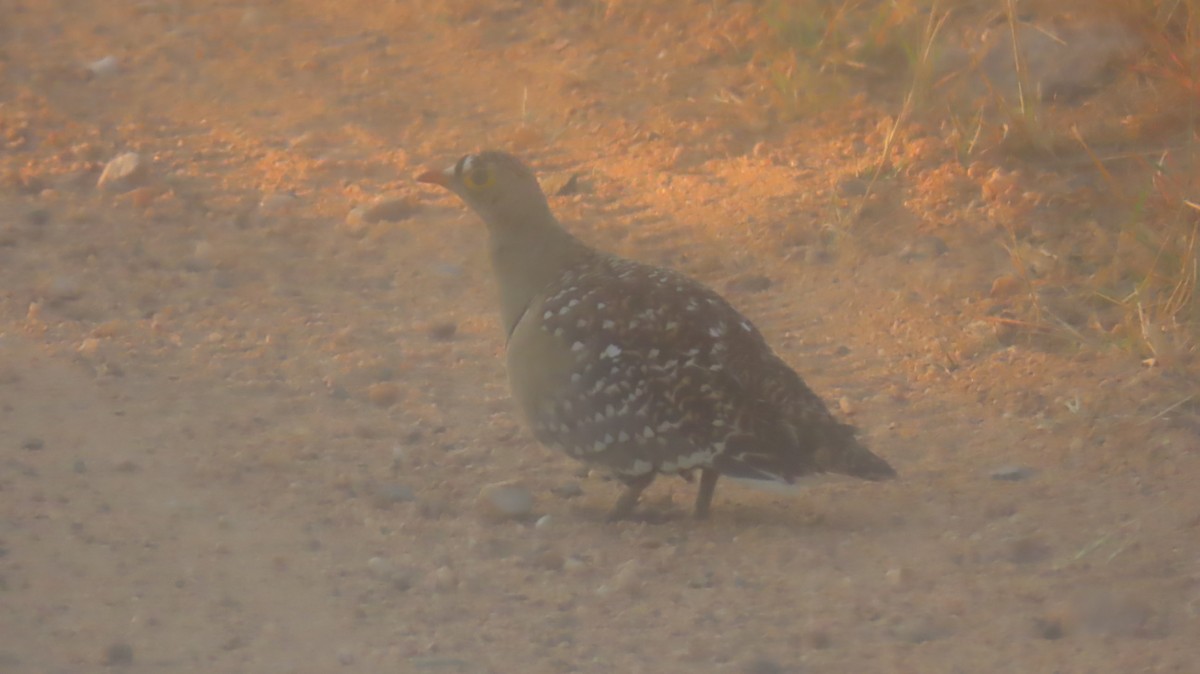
504, 501
104, 67
123, 173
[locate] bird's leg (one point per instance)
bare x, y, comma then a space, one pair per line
708, 484
634, 486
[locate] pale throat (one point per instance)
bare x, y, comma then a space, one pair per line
525, 261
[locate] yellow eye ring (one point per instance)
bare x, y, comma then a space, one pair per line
478, 179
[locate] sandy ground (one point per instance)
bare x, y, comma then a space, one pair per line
244, 431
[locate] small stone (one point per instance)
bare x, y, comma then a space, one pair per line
1012, 473
142, 197
388, 494
117, 654
89, 347
108, 329
549, 560
279, 203
852, 186
443, 332
444, 579
1121, 614
1028, 550
574, 564
543, 522
923, 248
447, 269
32, 444
846, 407
750, 283
899, 576
383, 394
38, 217
568, 490
628, 577
380, 567
388, 208
104, 67
1050, 627
918, 630
64, 289
123, 173
820, 639
355, 223
504, 501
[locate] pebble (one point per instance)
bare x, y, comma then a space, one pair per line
846, 407
543, 522
853, 186
383, 394
443, 332
504, 501
64, 289
123, 173
919, 630
1013, 473
38, 217
1029, 550
32, 444
119, 653
383, 569
899, 576
628, 577
444, 579
446, 269
923, 248
388, 208
1118, 614
549, 560
89, 347
568, 490
387, 494
355, 223
104, 67
280, 203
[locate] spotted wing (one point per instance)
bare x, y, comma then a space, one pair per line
668, 377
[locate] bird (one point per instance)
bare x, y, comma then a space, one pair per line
638, 369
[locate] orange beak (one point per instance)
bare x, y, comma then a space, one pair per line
435, 177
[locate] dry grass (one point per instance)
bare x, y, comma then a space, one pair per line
1129, 276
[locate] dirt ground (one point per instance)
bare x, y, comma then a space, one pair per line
243, 428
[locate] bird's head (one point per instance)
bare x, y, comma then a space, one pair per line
502, 190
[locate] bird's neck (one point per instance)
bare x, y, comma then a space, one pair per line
527, 259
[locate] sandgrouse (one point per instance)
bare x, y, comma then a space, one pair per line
639, 369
